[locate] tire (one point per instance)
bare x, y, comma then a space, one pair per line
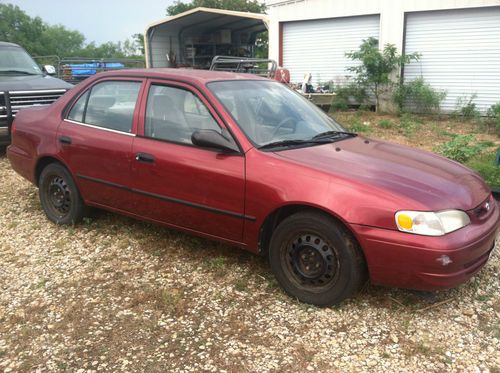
316, 260
59, 196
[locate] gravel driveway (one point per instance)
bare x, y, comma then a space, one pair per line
114, 294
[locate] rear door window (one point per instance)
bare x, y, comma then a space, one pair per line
109, 105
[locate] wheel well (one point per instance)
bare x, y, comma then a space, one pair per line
277, 216
41, 164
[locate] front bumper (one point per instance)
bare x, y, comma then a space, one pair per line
416, 262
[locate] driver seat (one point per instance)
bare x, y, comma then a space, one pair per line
166, 119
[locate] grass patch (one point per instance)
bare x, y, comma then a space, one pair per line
217, 266
385, 124
485, 165
409, 124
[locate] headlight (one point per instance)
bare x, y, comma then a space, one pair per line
431, 223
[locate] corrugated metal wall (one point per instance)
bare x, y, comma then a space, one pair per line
460, 53
161, 44
319, 46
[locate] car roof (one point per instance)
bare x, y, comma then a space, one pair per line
191, 75
7, 44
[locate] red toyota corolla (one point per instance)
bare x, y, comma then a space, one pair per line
246, 160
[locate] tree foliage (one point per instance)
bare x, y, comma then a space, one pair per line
377, 66
240, 5
42, 39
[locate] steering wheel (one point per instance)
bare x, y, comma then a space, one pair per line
282, 124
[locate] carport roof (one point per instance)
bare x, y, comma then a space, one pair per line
207, 19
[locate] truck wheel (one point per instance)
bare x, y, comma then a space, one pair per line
59, 195
316, 260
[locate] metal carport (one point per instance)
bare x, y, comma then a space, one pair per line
193, 38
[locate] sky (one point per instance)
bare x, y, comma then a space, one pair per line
98, 20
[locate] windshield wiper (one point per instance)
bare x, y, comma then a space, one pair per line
330, 134
288, 143
13, 71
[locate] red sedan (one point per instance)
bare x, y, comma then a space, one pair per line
247, 161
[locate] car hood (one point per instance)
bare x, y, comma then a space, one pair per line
430, 181
31, 82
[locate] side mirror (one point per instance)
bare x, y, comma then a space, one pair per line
213, 139
49, 69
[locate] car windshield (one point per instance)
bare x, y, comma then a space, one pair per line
270, 113
15, 60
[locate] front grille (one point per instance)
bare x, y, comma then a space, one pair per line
22, 99
3, 109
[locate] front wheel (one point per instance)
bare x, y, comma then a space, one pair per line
59, 195
316, 260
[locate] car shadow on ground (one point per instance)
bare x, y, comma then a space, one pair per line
222, 261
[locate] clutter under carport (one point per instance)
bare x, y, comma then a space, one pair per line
194, 38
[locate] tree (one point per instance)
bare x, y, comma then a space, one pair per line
240, 5
17, 27
42, 39
57, 40
377, 66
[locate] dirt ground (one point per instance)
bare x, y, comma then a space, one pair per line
114, 294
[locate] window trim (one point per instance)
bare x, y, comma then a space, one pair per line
88, 89
198, 94
99, 128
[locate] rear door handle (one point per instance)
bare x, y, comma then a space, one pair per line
144, 157
65, 140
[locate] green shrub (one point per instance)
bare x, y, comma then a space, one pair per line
384, 123
493, 117
462, 148
418, 96
485, 165
339, 104
466, 109
348, 93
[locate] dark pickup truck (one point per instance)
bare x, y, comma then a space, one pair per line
23, 84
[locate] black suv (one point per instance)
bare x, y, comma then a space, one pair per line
23, 84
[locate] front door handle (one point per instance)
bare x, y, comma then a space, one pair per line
145, 157
65, 140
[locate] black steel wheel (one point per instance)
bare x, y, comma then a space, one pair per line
316, 260
59, 195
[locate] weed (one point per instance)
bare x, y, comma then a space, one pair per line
493, 118
241, 284
357, 126
217, 265
466, 108
384, 123
418, 96
409, 124
461, 148
485, 165
351, 93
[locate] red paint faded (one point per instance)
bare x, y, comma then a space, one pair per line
361, 182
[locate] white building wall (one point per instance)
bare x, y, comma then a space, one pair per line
391, 14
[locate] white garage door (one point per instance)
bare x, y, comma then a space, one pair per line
460, 53
319, 46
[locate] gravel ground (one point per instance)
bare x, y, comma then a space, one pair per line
113, 294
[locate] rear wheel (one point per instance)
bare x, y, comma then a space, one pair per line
59, 195
316, 260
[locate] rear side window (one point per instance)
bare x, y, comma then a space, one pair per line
108, 105
78, 109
